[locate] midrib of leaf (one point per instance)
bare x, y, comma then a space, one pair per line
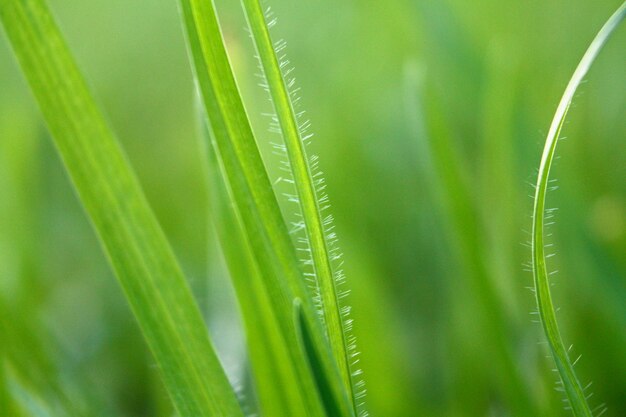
311, 212
135, 245
253, 198
573, 389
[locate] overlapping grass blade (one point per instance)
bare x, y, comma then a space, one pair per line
254, 201
267, 346
314, 358
307, 192
573, 389
133, 240
237, 150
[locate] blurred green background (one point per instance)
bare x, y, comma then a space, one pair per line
430, 118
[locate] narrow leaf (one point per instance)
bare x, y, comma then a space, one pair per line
277, 385
314, 356
318, 229
252, 195
573, 389
133, 240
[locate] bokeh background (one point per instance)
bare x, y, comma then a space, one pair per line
430, 118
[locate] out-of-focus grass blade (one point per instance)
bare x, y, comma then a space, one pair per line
573, 389
27, 404
31, 351
133, 240
29, 360
254, 200
451, 187
24, 390
500, 205
305, 186
6, 401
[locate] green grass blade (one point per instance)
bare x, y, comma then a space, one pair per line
27, 350
313, 355
135, 244
253, 197
451, 188
277, 381
238, 152
6, 400
316, 228
29, 405
573, 388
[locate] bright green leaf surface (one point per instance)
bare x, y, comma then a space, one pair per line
134, 242
304, 182
575, 393
267, 345
254, 200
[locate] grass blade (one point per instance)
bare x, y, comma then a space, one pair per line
27, 354
133, 240
253, 197
318, 229
237, 149
573, 389
453, 193
314, 356
6, 401
267, 346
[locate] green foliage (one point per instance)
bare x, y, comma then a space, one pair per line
463, 221
309, 185
136, 246
272, 256
576, 396
425, 115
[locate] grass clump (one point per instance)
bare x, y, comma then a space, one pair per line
439, 317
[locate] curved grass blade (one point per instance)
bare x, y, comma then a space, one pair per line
573, 389
317, 229
253, 197
133, 240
